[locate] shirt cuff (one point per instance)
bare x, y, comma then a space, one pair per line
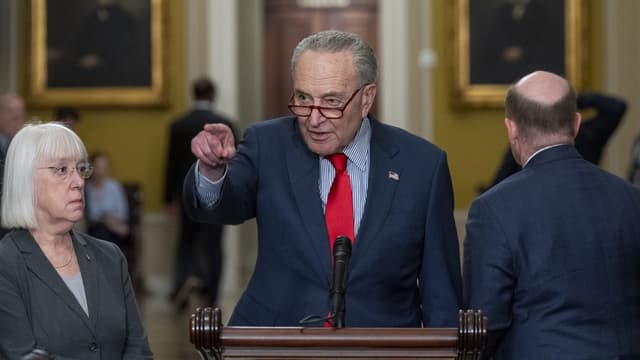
207, 191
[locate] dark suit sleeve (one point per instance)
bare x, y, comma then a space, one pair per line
440, 282
595, 132
489, 275
137, 344
16, 336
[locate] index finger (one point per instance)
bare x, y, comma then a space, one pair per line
217, 129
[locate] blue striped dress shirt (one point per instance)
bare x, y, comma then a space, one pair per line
357, 168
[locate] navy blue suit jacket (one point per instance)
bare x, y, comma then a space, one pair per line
404, 269
551, 256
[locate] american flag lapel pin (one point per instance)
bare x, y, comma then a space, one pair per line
394, 175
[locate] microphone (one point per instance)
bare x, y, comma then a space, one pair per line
341, 256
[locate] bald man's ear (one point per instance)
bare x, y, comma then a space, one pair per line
512, 130
369, 94
576, 124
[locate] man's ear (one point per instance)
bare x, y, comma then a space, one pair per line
515, 141
512, 130
576, 124
369, 94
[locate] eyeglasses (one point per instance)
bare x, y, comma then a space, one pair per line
327, 112
84, 169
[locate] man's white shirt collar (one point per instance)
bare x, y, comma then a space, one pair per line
539, 151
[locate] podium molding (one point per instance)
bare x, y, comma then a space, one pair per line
215, 341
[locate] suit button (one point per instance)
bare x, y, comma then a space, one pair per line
93, 347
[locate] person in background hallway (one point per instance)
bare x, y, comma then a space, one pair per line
593, 135
12, 118
199, 250
61, 291
551, 253
68, 116
404, 269
106, 202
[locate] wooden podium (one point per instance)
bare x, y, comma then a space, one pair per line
214, 341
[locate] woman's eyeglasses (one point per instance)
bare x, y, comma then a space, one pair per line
84, 169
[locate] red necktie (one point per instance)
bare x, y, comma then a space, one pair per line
339, 211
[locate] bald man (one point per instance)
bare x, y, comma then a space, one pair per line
551, 253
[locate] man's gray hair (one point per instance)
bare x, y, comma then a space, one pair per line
333, 41
32, 147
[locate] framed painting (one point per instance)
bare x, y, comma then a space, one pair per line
97, 53
498, 41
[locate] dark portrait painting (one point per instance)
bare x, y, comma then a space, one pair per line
98, 43
510, 38
496, 42
97, 52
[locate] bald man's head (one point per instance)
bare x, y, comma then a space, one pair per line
542, 103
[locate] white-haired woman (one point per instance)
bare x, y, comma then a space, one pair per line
60, 290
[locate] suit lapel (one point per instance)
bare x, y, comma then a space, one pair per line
90, 279
384, 176
39, 265
303, 167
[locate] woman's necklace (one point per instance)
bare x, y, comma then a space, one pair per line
65, 264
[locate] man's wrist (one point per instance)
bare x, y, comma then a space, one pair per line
210, 173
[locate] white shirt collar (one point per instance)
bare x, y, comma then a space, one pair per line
358, 150
539, 151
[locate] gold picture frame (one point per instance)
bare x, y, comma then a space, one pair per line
85, 54
496, 42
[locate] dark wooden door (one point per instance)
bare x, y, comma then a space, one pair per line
289, 21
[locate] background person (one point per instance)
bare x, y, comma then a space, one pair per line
199, 250
551, 252
404, 269
68, 116
107, 208
60, 290
12, 117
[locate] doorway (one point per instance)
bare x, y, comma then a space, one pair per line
289, 21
